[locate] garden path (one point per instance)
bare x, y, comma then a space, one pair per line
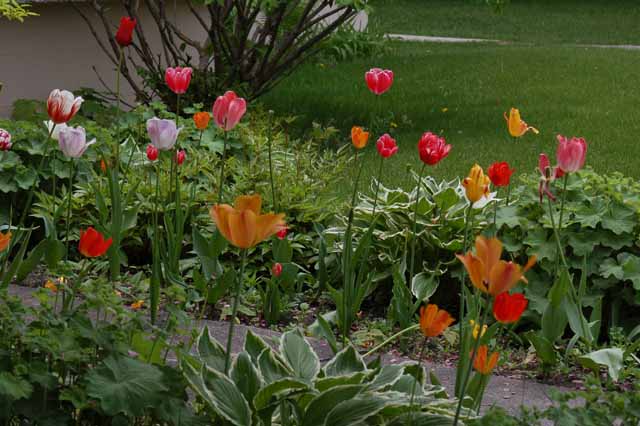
435, 39
506, 392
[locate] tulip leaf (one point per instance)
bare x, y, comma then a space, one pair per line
211, 352
612, 358
347, 361
299, 354
424, 285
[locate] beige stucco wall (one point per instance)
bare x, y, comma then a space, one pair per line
55, 50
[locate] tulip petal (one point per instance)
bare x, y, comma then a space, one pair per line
475, 269
220, 215
503, 277
267, 225
249, 202
242, 225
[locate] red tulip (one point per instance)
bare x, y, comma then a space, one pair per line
228, 110
508, 308
178, 79
276, 269
548, 175
432, 148
571, 154
124, 36
500, 173
180, 156
152, 152
282, 233
386, 146
93, 244
5, 140
62, 106
378, 80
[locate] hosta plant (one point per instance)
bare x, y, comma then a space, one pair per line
289, 386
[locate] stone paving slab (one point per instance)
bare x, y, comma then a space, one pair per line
506, 392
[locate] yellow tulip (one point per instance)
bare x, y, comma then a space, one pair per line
517, 127
476, 329
5, 239
476, 185
243, 225
359, 137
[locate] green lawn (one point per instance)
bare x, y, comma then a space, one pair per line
461, 92
529, 21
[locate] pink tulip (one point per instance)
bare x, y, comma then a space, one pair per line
571, 153
73, 142
378, 80
5, 140
178, 79
228, 110
432, 148
386, 146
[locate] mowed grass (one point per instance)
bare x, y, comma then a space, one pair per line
461, 92
529, 21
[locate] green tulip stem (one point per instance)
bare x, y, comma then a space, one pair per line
224, 161
234, 311
69, 198
467, 372
415, 225
413, 388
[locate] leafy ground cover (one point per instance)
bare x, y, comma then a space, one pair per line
527, 21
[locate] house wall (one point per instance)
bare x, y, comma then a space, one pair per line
55, 50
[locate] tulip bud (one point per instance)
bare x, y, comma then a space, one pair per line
276, 269
124, 35
282, 234
180, 156
228, 110
152, 152
378, 80
73, 142
178, 79
103, 166
5, 140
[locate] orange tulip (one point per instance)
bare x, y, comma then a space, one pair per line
359, 137
484, 363
201, 119
5, 239
517, 127
476, 185
434, 321
137, 305
490, 274
243, 225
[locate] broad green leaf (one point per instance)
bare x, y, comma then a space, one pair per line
424, 285
330, 382
347, 361
254, 345
246, 376
299, 354
544, 348
272, 367
612, 358
12, 387
225, 398
273, 391
356, 410
387, 376
554, 322
125, 385
211, 351
319, 408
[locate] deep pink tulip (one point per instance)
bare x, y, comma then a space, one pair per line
178, 79
180, 157
152, 152
386, 146
432, 148
228, 110
378, 80
5, 140
571, 153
